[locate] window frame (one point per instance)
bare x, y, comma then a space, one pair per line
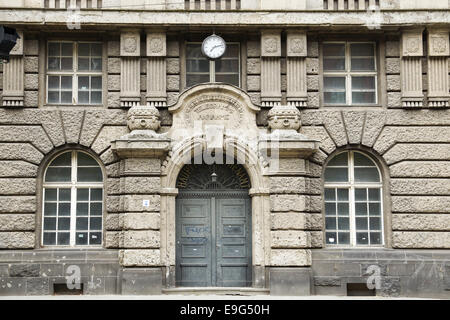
212, 71
348, 73
75, 73
351, 186
74, 185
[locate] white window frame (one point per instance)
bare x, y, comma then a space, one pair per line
75, 73
351, 185
348, 74
212, 65
74, 185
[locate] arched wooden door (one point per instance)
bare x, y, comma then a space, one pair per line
213, 227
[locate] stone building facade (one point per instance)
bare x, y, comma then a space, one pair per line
328, 124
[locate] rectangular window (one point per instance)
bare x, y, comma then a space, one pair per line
349, 73
74, 73
200, 69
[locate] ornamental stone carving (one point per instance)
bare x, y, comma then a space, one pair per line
270, 44
156, 44
296, 44
412, 44
284, 117
143, 118
438, 43
130, 44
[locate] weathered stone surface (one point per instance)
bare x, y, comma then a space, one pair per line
417, 221
253, 49
31, 47
30, 99
173, 66
24, 270
392, 135
17, 169
290, 257
17, 222
113, 100
31, 64
417, 151
138, 185
172, 98
113, 82
113, 48
288, 220
94, 120
141, 166
312, 83
290, 239
35, 134
140, 239
140, 221
354, 123
253, 83
173, 49
140, 258
312, 66
134, 203
392, 65
106, 135
31, 81
287, 202
12, 204
423, 117
420, 239
313, 49
17, 186
289, 165
392, 49
112, 239
72, 121
335, 126
113, 204
420, 186
314, 221
113, 170
114, 65
432, 204
327, 281
112, 222
421, 169
316, 239
108, 157
17, 240
287, 185
394, 99
393, 83
173, 82
313, 99
253, 66
374, 123
113, 186
20, 151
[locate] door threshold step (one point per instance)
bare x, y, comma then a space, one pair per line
229, 291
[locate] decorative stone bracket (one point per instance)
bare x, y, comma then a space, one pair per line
13, 76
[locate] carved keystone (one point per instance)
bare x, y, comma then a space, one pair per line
143, 118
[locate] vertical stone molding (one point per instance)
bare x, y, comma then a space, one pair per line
296, 69
438, 53
13, 76
411, 68
130, 69
270, 67
156, 69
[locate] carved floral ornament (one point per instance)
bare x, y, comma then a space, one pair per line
438, 44
271, 44
156, 44
412, 44
130, 44
296, 45
143, 118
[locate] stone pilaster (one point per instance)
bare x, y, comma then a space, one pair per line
296, 69
270, 67
156, 69
411, 68
438, 53
13, 76
130, 52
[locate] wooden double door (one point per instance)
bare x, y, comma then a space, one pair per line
213, 239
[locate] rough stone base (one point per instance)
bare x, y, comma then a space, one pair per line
290, 281
142, 281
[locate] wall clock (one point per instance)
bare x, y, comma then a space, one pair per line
214, 47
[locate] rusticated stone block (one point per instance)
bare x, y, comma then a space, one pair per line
173, 65
114, 65
14, 222
420, 186
113, 48
419, 151
17, 169
31, 47
253, 49
392, 49
290, 257
20, 151
392, 65
18, 186
292, 165
419, 240
112, 222
287, 185
113, 100
432, 204
24, 270
106, 136
253, 83
31, 64
138, 185
72, 121
417, 221
253, 66
312, 83
135, 203
141, 166
34, 134
336, 128
354, 123
374, 123
313, 99
393, 83
30, 99
17, 240
112, 239
287, 202
313, 49
316, 239
12, 204
113, 82
327, 281
290, 239
288, 220
421, 169
140, 239
140, 220
140, 258
312, 66
173, 82
173, 49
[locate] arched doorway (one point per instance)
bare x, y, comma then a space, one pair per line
213, 226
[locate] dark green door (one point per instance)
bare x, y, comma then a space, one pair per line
213, 237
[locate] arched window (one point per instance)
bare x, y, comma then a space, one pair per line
73, 201
353, 201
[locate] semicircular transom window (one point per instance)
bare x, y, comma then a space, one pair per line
353, 201
73, 201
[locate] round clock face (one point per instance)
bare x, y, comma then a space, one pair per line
213, 47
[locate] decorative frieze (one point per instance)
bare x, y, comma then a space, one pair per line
130, 69
296, 69
438, 53
13, 76
156, 69
270, 68
411, 68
